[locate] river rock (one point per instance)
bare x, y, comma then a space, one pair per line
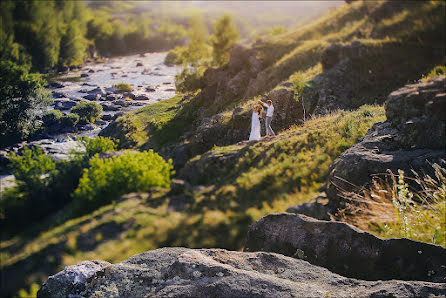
55, 85
346, 250
64, 104
183, 272
99, 90
139, 64
57, 94
92, 97
123, 103
84, 75
91, 71
110, 107
112, 97
142, 97
150, 89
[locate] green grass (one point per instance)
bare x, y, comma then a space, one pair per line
152, 126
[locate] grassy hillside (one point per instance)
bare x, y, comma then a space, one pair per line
234, 185
264, 177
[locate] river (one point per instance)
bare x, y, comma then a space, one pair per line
146, 73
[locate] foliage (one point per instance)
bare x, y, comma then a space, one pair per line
87, 111
189, 80
21, 94
123, 87
97, 145
52, 117
225, 35
106, 179
277, 30
397, 206
31, 169
69, 120
439, 70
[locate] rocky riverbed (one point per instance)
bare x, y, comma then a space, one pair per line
151, 81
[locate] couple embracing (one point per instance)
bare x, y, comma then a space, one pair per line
257, 113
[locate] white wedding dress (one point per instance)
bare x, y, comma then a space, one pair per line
255, 127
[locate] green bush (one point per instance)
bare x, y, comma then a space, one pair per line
21, 95
97, 145
31, 168
69, 120
107, 179
87, 111
189, 79
123, 87
52, 117
439, 70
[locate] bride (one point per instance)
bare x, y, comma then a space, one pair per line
255, 123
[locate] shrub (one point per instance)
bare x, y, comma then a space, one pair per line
52, 117
189, 79
439, 70
31, 168
107, 179
123, 87
171, 57
69, 120
21, 95
87, 111
97, 145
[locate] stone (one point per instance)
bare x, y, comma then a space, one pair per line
55, 85
346, 250
331, 56
113, 97
123, 103
91, 71
142, 97
84, 75
64, 104
92, 97
287, 84
139, 64
107, 117
110, 107
57, 94
98, 90
178, 186
183, 272
418, 112
150, 89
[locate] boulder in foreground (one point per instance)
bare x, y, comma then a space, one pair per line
182, 272
347, 250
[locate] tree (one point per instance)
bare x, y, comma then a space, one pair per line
225, 35
21, 94
73, 45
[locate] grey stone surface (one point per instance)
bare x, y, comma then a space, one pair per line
347, 250
182, 272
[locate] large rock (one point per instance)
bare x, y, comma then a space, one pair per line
412, 138
378, 152
65, 104
347, 250
182, 272
418, 111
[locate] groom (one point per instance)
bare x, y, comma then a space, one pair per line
269, 116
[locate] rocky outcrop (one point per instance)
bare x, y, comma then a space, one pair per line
411, 139
346, 250
361, 73
229, 83
182, 272
418, 111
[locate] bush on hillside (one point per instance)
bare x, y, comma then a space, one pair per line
97, 145
189, 80
31, 168
123, 87
439, 70
87, 111
107, 179
69, 120
52, 117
